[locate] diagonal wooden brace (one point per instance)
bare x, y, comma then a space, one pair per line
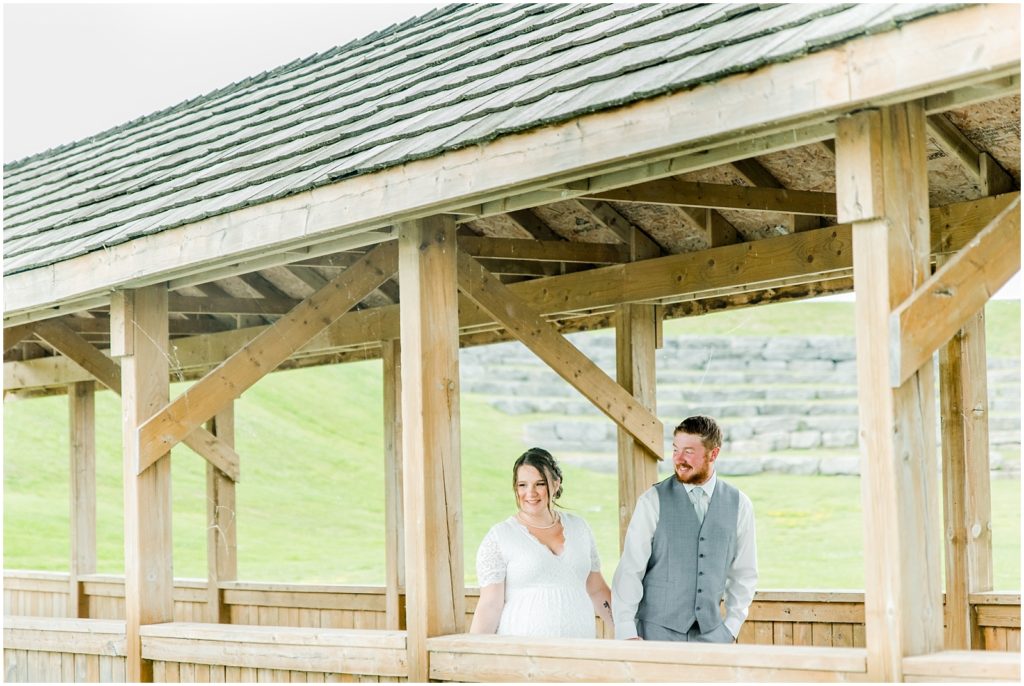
939, 307
264, 353
107, 372
16, 334
541, 337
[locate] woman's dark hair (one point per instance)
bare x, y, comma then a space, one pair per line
543, 462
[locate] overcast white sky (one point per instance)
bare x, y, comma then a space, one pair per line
73, 70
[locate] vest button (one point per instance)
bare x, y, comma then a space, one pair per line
701, 555
698, 609
702, 538
700, 573
698, 590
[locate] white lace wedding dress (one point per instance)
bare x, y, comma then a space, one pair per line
545, 594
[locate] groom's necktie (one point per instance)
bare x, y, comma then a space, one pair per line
700, 502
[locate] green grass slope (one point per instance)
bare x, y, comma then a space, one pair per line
310, 500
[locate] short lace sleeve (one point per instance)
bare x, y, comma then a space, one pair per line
490, 563
595, 559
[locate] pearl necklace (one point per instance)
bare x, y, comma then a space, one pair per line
519, 516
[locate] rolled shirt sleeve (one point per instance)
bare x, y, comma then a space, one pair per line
742, 577
627, 584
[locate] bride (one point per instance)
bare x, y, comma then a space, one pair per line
538, 570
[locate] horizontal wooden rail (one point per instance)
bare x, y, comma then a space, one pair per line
777, 617
499, 658
255, 653
47, 649
963, 665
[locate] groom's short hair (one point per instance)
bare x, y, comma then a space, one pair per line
705, 427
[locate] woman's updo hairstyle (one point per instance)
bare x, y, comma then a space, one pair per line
543, 462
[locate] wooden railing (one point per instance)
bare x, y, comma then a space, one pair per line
800, 618
188, 652
46, 649
501, 658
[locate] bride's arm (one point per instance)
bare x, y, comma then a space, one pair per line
488, 609
601, 596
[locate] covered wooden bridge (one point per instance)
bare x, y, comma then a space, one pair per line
490, 172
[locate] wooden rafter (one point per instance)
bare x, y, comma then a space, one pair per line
640, 244
754, 173
525, 323
543, 251
185, 304
273, 346
533, 225
952, 226
673, 191
955, 144
938, 308
108, 373
13, 335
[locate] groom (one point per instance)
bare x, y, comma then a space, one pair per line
689, 544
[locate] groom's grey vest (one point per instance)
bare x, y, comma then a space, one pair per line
686, 573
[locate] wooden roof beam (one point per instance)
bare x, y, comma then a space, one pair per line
270, 348
186, 304
108, 372
772, 263
13, 335
754, 173
525, 323
543, 251
673, 191
532, 224
934, 312
641, 245
954, 143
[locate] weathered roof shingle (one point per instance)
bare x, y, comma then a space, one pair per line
458, 76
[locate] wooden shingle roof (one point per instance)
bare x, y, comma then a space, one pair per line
455, 77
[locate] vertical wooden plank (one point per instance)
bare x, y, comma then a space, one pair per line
430, 435
159, 671
859, 638
107, 669
81, 669
82, 443
881, 186
333, 619
764, 633
821, 634
54, 666
1013, 640
67, 668
145, 390
842, 635
309, 618
297, 677
218, 674
202, 674
802, 634
315, 677
783, 633
232, 675
221, 538
635, 339
119, 670
394, 526
186, 672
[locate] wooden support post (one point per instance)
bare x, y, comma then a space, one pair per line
148, 566
967, 504
435, 591
882, 190
635, 342
221, 530
394, 529
82, 411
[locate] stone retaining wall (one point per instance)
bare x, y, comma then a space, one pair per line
785, 403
